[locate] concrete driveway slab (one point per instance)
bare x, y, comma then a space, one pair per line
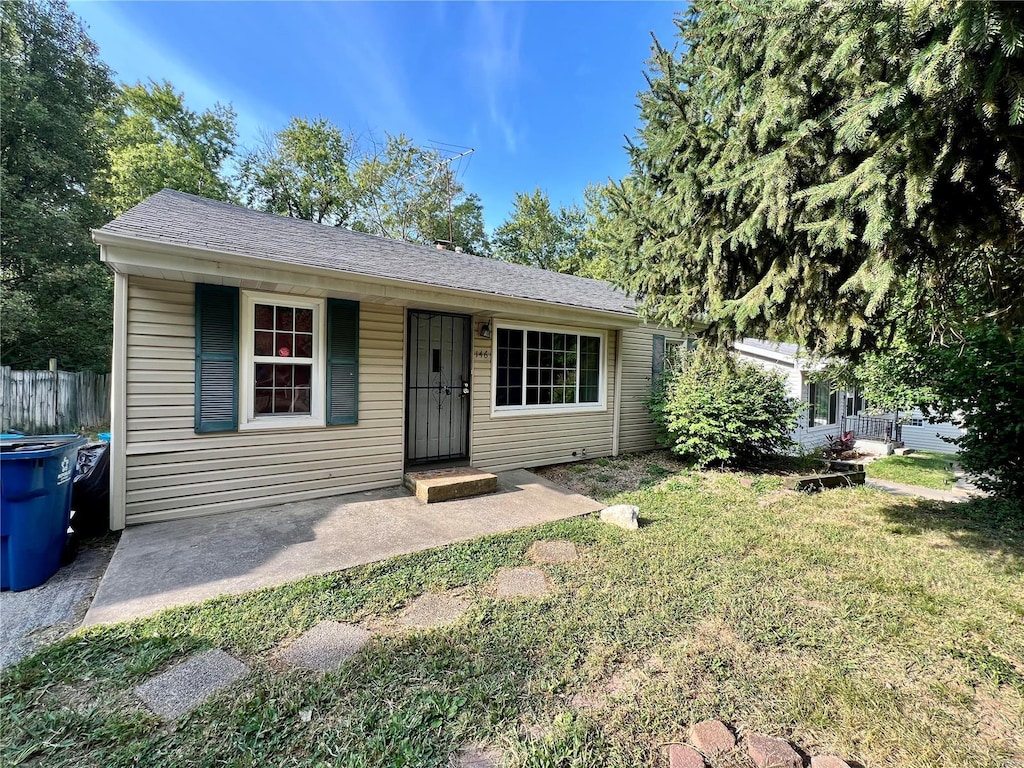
44, 614
160, 565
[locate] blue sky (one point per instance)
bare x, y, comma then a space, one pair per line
543, 91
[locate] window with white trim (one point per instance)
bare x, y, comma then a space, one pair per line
282, 367
823, 405
545, 369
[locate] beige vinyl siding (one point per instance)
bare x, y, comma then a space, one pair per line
636, 431
532, 440
174, 472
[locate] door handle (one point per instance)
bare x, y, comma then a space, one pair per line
465, 387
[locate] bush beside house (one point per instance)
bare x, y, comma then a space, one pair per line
712, 408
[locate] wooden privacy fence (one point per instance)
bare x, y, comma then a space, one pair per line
46, 402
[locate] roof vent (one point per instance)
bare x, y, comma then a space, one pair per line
442, 245
458, 249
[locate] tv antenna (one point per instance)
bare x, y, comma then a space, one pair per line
449, 153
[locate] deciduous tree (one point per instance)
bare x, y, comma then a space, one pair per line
55, 297
156, 141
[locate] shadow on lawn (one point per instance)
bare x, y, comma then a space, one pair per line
993, 526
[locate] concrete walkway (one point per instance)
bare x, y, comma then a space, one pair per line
160, 565
900, 489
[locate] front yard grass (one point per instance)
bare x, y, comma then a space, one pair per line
887, 630
923, 468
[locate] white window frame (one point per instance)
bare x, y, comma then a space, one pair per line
247, 420
521, 410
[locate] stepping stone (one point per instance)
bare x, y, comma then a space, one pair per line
552, 552
521, 582
478, 756
185, 686
325, 646
430, 610
712, 737
682, 756
828, 761
769, 752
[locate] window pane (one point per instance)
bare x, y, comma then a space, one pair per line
302, 400
285, 318
304, 320
282, 401
283, 344
264, 375
508, 383
282, 376
264, 343
303, 345
264, 317
303, 374
262, 403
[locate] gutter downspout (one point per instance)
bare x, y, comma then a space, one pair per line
118, 401
618, 393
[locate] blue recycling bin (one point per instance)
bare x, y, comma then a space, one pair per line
36, 474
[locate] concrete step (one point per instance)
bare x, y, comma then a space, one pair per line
432, 485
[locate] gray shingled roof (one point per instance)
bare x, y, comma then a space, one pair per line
176, 218
781, 347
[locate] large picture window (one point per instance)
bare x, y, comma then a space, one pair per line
546, 369
281, 361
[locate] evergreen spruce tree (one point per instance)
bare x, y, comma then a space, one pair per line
802, 166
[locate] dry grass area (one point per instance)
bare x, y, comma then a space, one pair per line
886, 630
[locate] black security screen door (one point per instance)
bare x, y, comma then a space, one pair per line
438, 399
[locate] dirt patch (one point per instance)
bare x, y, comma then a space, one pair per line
603, 478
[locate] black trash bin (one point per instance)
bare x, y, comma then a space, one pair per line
90, 496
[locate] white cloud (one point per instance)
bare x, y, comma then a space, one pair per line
496, 35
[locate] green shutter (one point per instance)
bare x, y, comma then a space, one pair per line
657, 355
216, 358
342, 361
812, 393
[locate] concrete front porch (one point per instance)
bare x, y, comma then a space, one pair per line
160, 565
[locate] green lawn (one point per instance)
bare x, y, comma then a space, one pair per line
924, 468
883, 629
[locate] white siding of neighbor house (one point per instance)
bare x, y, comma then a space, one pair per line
636, 430
928, 437
174, 472
535, 439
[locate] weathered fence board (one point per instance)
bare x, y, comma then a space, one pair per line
40, 402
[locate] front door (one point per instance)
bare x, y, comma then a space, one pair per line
438, 399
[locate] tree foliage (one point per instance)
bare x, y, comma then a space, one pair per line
402, 189
55, 296
799, 166
155, 141
466, 231
303, 171
979, 385
713, 408
537, 235
314, 170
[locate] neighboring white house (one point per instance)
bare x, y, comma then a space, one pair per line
831, 412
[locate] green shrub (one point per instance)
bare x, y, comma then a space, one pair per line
711, 408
